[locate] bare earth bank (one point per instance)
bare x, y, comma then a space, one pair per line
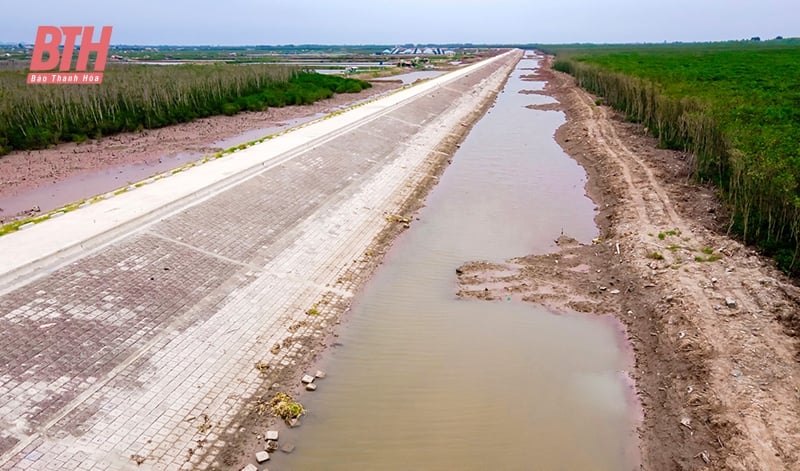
713, 324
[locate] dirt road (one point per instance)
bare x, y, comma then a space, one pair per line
713, 324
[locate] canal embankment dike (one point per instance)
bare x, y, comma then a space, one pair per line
132, 325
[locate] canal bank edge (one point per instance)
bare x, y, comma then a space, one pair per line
242, 439
717, 376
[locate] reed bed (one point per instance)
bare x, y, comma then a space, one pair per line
136, 97
735, 109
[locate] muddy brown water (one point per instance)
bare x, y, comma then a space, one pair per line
420, 379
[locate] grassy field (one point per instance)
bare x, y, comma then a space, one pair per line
735, 106
135, 97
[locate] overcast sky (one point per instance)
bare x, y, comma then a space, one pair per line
246, 22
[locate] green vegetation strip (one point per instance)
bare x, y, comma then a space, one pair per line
734, 106
137, 97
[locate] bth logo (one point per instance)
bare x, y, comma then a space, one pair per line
48, 55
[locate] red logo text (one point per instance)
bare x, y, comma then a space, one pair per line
49, 56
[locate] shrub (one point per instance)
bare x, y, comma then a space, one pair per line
283, 406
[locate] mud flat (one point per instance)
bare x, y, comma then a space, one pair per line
713, 324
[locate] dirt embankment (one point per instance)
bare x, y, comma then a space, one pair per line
26, 172
712, 323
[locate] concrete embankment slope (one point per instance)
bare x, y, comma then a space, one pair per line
131, 327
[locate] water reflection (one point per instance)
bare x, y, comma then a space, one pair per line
424, 380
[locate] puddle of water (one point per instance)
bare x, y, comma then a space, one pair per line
79, 187
407, 78
259, 133
411, 77
322, 63
424, 380
255, 134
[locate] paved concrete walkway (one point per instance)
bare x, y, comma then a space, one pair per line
132, 325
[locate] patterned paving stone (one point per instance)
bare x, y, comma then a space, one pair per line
132, 356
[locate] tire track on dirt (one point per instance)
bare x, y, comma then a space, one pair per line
760, 413
717, 375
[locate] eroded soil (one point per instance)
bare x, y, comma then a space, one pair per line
713, 324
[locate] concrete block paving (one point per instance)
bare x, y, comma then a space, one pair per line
128, 357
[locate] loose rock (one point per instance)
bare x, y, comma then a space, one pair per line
730, 302
262, 456
307, 379
319, 374
272, 435
311, 387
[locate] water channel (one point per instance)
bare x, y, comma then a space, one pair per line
421, 379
